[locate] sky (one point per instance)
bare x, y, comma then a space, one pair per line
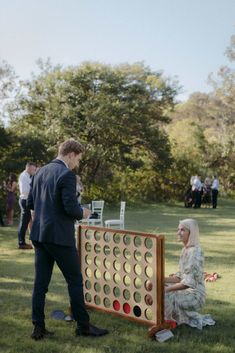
185, 39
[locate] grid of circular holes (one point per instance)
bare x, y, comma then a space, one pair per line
127, 268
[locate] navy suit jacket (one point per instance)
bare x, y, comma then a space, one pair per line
53, 198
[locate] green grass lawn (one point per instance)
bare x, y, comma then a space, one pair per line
217, 229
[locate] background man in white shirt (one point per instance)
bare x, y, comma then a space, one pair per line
196, 191
25, 214
215, 191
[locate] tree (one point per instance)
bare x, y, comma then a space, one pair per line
118, 113
206, 123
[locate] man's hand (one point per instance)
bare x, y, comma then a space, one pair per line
86, 213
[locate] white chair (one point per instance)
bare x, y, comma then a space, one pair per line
117, 223
96, 207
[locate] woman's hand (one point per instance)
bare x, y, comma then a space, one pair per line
172, 279
174, 287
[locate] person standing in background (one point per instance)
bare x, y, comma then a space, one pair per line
25, 214
79, 188
196, 191
11, 185
215, 191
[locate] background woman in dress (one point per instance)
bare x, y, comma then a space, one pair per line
185, 290
11, 185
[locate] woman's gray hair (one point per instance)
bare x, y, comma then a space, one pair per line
192, 226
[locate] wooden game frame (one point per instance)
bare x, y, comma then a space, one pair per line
92, 243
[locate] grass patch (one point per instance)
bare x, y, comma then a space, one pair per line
218, 241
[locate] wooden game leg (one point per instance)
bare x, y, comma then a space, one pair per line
153, 329
168, 324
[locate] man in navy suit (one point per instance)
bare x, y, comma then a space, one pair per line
53, 198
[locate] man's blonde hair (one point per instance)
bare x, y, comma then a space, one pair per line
69, 146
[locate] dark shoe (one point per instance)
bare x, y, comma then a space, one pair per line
91, 330
39, 333
25, 247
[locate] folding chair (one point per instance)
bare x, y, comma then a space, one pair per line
117, 223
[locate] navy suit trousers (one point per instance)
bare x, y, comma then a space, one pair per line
214, 197
68, 262
25, 217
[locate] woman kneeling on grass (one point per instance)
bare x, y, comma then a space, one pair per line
185, 290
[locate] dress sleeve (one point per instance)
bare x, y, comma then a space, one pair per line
192, 267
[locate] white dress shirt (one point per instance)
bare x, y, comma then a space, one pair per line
24, 184
197, 185
215, 184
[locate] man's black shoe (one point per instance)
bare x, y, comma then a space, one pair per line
91, 330
39, 333
25, 247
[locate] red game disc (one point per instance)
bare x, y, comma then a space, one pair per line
116, 305
126, 308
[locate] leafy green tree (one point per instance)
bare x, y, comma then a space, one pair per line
118, 113
204, 126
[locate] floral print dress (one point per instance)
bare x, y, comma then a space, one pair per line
183, 305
